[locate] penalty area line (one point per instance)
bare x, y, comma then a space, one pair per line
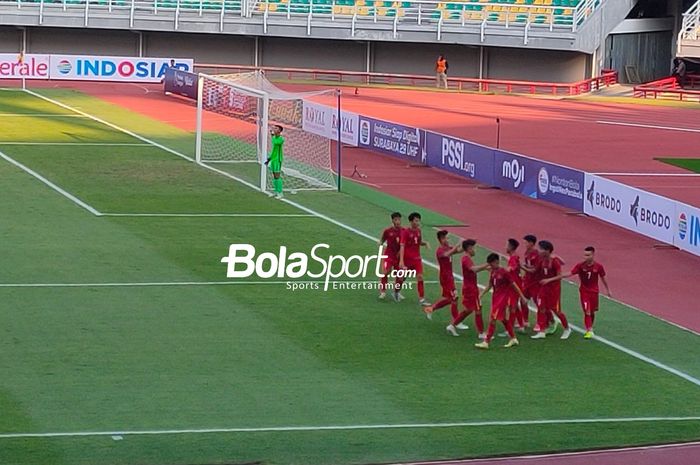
284, 429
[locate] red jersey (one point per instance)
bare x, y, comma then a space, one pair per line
502, 283
514, 267
549, 268
445, 262
469, 286
532, 259
588, 275
411, 239
392, 237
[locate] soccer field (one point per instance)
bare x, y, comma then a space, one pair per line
124, 343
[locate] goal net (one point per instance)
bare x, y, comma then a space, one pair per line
235, 116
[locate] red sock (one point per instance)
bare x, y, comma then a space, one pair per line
542, 319
491, 330
562, 318
592, 319
454, 311
421, 289
383, 282
509, 329
444, 302
512, 317
588, 321
479, 321
460, 317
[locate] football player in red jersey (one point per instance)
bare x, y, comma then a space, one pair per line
391, 236
444, 255
549, 296
589, 271
501, 281
531, 282
514, 308
470, 288
410, 258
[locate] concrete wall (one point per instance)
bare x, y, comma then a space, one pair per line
204, 48
387, 57
536, 65
10, 39
393, 57
312, 53
60, 40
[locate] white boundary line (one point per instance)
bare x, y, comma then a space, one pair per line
653, 175
39, 115
209, 215
648, 126
85, 144
593, 452
281, 429
630, 352
53, 186
180, 283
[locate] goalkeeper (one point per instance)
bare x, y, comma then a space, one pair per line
274, 161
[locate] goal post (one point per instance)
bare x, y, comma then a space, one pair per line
235, 114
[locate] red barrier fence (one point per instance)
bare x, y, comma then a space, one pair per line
608, 78
670, 88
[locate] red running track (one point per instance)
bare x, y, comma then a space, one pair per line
492, 215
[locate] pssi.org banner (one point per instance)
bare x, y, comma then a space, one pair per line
323, 120
539, 180
111, 68
29, 66
460, 157
642, 212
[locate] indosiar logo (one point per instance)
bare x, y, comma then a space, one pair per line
126, 68
64, 67
689, 229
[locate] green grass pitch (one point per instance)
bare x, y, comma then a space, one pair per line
690, 164
268, 370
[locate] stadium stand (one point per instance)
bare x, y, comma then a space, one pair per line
689, 37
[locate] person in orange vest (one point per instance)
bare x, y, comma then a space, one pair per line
441, 67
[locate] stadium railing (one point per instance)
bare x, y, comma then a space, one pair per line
670, 88
691, 23
478, 16
608, 78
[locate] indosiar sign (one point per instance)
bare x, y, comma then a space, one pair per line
110, 68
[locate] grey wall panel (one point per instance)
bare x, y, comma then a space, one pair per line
82, 41
312, 53
404, 58
10, 39
649, 52
536, 65
204, 48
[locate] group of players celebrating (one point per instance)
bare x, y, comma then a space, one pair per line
536, 278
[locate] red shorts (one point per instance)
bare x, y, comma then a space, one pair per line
448, 289
470, 301
548, 301
390, 263
589, 301
414, 264
498, 313
531, 290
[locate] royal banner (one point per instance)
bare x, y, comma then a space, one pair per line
628, 207
539, 179
393, 139
110, 68
323, 120
28, 66
460, 157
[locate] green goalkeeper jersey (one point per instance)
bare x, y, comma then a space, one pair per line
277, 153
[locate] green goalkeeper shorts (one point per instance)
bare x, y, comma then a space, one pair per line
275, 166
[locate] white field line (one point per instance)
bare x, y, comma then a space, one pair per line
653, 175
39, 115
648, 126
178, 284
53, 186
595, 452
282, 429
630, 352
84, 144
209, 215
